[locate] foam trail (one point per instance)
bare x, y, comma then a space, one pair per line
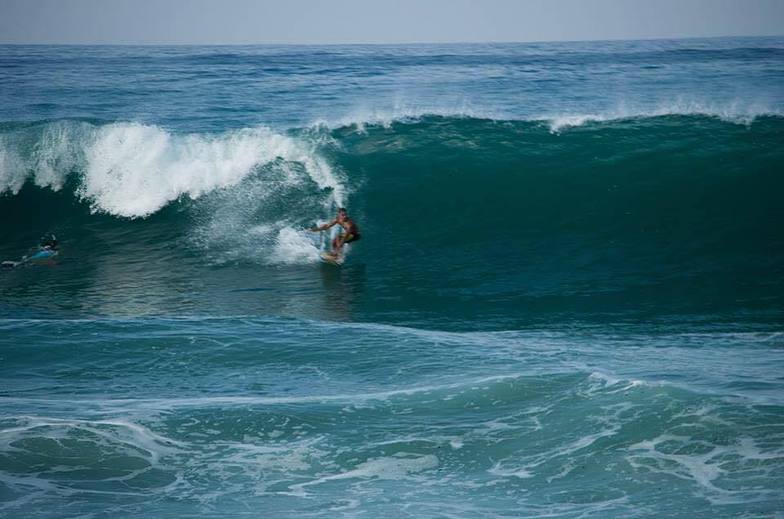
399, 467
292, 246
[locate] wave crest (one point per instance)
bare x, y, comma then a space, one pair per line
736, 111
133, 170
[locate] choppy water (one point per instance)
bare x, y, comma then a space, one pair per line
567, 300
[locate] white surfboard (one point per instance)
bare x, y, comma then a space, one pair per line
328, 257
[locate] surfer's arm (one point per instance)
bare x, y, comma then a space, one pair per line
323, 227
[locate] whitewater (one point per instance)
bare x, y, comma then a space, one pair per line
567, 301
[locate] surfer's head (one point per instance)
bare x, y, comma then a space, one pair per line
48, 241
342, 213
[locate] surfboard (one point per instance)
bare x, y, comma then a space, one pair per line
327, 257
43, 254
37, 257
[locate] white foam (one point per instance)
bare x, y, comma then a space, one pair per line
55, 152
120, 404
115, 431
399, 466
58, 153
235, 226
363, 116
520, 473
708, 468
90, 448
294, 246
607, 381
13, 173
134, 170
736, 111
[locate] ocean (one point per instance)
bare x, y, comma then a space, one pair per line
568, 298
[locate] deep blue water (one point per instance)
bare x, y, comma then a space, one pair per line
568, 298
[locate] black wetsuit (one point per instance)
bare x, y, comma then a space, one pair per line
352, 233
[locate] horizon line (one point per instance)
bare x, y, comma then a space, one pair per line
456, 42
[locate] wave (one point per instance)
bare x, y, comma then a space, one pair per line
738, 111
161, 166
675, 192
133, 170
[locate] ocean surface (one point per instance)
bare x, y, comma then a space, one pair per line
568, 299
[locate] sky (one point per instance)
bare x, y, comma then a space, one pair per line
379, 21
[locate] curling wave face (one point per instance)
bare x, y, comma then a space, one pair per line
134, 170
674, 211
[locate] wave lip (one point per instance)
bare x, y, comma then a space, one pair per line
133, 170
161, 167
363, 117
735, 111
45, 156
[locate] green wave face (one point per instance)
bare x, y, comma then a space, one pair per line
664, 213
462, 219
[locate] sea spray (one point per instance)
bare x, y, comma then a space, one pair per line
133, 170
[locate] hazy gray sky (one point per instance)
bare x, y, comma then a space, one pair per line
378, 21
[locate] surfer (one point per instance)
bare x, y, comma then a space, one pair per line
48, 242
47, 248
349, 233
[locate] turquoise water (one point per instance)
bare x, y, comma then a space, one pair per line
567, 301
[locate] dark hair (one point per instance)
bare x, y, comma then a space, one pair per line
342, 210
48, 240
